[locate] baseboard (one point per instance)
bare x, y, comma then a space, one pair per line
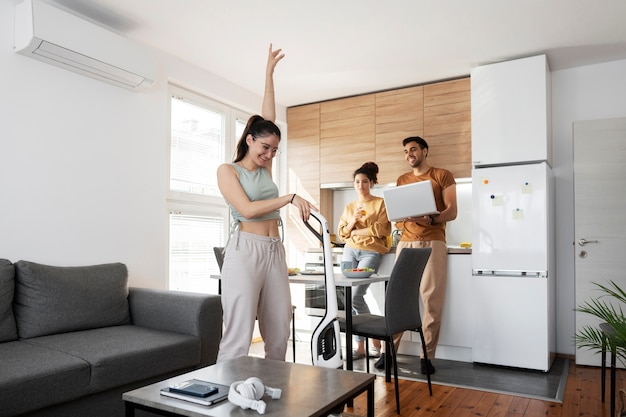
565, 356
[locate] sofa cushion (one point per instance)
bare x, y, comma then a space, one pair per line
33, 377
56, 299
7, 288
123, 354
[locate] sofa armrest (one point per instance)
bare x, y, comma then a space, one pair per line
181, 312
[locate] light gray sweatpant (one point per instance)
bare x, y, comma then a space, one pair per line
255, 285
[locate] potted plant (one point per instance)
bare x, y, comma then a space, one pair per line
608, 308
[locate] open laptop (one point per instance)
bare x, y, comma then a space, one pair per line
410, 200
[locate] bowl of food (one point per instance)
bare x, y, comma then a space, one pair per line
357, 272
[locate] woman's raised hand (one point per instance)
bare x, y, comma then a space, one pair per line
273, 57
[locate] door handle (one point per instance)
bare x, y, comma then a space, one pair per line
583, 241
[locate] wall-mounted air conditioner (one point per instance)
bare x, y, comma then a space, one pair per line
55, 36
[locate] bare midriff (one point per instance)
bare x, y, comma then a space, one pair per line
262, 228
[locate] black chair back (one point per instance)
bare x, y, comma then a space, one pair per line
219, 255
402, 297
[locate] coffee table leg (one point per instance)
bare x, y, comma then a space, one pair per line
130, 410
370, 400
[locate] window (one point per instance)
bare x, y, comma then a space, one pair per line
192, 237
197, 147
203, 136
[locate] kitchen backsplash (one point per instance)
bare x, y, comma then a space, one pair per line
457, 231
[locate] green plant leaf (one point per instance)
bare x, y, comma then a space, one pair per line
608, 308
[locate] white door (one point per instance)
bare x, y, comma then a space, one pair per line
600, 202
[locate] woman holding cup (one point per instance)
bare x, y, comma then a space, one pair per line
364, 228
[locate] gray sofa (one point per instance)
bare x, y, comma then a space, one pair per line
73, 339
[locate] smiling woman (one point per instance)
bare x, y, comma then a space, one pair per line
254, 254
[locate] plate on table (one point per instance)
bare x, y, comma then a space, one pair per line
356, 274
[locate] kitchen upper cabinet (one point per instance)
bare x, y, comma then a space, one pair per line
347, 137
371, 127
303, 168
511, 104
399, 114
304, 151
448, 126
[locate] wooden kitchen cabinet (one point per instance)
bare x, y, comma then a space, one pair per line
439, 112
303, 169
347, 137
303, 162
371, 127
448, 127
399, 114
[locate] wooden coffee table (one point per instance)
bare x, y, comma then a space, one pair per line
306, 390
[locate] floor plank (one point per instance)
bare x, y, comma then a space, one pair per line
500, 407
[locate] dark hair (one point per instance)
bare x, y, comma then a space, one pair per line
369, 169
421, 142
257, 127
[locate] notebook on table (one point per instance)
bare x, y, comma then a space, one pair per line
197, 391
410, 200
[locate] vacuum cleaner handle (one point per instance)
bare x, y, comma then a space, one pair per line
325, 341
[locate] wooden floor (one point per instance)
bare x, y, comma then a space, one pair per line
582, 399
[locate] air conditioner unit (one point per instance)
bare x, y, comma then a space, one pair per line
55, 36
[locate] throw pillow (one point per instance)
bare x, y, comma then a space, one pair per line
57, 299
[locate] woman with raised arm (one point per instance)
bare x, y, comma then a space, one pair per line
255, 281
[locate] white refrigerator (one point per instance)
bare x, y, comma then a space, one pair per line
513, 280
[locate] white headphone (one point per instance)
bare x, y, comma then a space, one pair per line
247, 394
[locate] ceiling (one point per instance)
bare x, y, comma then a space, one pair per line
341, 48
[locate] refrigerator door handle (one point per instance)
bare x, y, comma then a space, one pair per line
509, 273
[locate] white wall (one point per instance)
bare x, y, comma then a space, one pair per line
84, 164
583, 93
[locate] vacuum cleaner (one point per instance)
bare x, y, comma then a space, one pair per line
326, 342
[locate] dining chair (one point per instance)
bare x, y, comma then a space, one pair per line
401, 310
219, 256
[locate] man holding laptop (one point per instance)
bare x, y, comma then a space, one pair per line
427, 230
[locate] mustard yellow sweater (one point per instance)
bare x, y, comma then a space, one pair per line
375, 221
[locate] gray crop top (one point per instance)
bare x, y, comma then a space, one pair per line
257, 185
